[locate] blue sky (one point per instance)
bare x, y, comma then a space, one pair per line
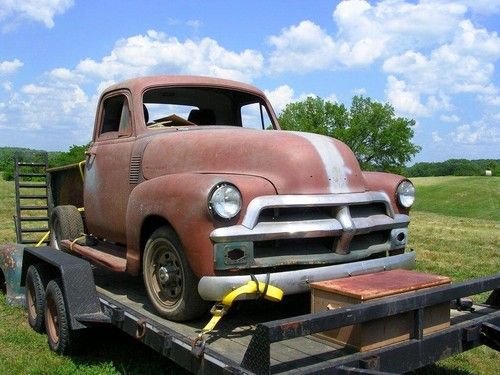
435, 61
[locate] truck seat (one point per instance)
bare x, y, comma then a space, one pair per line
202, 116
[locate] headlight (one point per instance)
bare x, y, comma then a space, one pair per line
406, 194
225, 200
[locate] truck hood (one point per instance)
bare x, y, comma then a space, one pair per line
294, 162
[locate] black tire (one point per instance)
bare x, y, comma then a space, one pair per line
170, 283
36, 278
65, 224
59, 334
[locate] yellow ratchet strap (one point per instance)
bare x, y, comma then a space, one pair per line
80, 167
220, 309
42, 240
82, 237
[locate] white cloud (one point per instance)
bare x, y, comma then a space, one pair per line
405, 101
42, 11
280, 97
449, 118
58, 102
332, 98
52, 104
7, 86
302, 48
436, 138
283, 95
8, 67
476, 133
365, 33
395, 25
465, 65
478, 6
359, 91
156, 52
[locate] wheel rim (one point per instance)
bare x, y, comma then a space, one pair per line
52, 321
165, 273
31, 298
54, 233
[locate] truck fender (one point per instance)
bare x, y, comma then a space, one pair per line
181, 200
81, 299
11, 260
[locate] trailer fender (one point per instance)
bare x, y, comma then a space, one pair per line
82, 303
11, 259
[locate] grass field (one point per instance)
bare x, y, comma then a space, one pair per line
455, 230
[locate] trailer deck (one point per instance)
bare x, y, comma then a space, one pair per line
238, 345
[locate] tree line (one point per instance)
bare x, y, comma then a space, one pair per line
454, 167
75, 154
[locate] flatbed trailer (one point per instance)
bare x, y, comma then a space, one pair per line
257, 337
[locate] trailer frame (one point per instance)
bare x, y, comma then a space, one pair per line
99, 308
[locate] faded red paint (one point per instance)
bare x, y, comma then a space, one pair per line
177, 168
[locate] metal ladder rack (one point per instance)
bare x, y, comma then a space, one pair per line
32, 197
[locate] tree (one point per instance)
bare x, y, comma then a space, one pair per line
379, 139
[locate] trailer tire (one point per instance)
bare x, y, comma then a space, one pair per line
59, 334
36, 277
171, 285
65, 224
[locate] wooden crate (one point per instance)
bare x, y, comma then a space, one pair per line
332, 294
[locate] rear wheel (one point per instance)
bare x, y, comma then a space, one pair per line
59, 335
35, 296
65, 224
171, 284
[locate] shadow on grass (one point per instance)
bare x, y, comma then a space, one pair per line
108, 344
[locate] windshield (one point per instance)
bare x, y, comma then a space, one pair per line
193, 106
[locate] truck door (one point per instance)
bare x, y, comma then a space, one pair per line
106, 188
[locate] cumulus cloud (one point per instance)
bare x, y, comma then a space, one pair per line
304, 47
44, 11
37, 105
449, 118
436, 138
64, 99
284, 94
8, 67
155, 52
365, 33
476, 133
404, 100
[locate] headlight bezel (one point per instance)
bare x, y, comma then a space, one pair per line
212, 205
405, 194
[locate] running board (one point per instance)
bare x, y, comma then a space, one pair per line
101, 254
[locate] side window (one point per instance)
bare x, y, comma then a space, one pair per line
115, 117
255, 116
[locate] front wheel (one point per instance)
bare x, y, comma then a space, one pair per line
171, 285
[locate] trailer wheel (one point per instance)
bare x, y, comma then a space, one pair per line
65, 224
171, 285
35, 296
56, 319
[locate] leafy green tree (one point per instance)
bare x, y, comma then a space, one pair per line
379, 139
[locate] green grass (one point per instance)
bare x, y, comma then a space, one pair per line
455, 230
471, 197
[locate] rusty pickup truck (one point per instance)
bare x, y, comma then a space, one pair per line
190, 182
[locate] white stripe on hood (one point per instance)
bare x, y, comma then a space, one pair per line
333, 162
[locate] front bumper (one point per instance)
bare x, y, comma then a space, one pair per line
214, 288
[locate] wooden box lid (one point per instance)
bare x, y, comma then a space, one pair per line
380, 284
